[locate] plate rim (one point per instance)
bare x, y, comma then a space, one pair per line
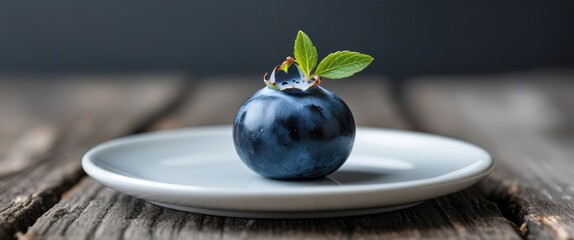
143, 185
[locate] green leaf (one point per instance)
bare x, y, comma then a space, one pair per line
305, 53
342, 64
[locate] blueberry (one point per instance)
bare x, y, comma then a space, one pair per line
293, 133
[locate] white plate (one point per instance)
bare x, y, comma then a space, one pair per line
197, 170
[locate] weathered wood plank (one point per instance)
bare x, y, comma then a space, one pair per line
526, 121
92, 211
46, 124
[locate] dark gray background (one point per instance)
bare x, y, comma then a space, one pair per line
219, 37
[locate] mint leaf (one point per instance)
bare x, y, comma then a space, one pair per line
305, 53
342, 64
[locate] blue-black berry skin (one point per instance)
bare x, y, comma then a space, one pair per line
294, 135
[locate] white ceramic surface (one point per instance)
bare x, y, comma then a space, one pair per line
198, 170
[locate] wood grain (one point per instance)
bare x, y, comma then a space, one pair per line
46, 125
90, 210
526, 121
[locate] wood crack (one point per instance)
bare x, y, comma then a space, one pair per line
36, 205
512, 206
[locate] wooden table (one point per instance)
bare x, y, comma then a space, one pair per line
526, 120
